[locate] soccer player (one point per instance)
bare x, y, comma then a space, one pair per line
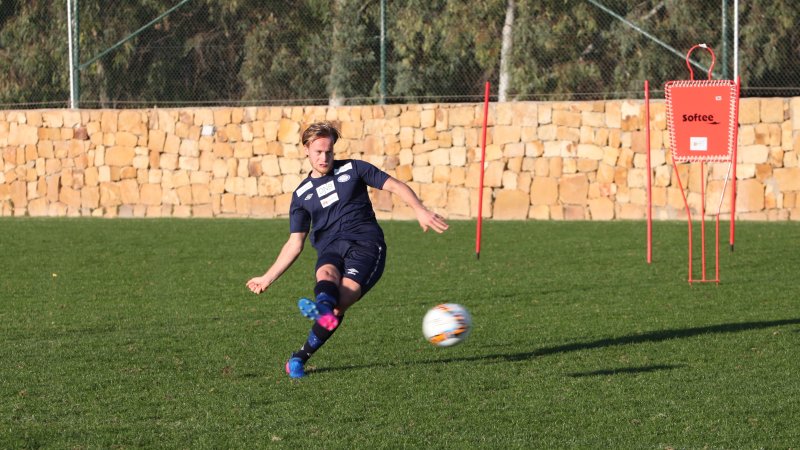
332, 206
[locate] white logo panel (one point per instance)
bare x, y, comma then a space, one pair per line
344, 168
302, 189
329, 200
325, 189
698, 144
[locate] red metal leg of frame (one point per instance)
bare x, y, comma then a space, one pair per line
688, 216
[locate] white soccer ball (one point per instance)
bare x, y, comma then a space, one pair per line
446, 325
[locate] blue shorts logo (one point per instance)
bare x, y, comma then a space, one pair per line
343, 178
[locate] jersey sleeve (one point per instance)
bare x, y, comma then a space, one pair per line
299, 218
371, 175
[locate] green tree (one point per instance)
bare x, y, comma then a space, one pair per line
558, 49
770, 44
445, 49
286, 53
354, 64
318, 51
189, 56
33, 63
681, 26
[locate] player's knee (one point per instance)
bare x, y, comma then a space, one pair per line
349, 294
328, 273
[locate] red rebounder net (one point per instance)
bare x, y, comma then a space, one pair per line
701, 116
702, 121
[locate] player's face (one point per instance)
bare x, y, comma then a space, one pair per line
320, 154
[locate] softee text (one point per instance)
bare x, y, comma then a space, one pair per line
698, 117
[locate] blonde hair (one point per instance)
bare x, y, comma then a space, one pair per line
319, 130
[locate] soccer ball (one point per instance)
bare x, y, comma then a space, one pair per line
446, 325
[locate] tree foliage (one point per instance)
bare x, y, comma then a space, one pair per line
463, 36
33, 64
770, 43
318, 51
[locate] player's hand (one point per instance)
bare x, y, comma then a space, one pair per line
430, 220
258, 284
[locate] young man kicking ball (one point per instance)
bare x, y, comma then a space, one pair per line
333, 207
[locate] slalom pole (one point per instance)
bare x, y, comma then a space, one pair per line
703, 217
483, 167
649, 175
716, 249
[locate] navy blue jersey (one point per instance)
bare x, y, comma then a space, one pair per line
337, 206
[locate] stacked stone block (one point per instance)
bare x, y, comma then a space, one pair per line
543, 161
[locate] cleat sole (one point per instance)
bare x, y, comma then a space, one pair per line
310, 311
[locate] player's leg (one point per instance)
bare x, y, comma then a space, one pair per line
363, 267
317, 337
326, 320
364, 264
326, 293
349, 293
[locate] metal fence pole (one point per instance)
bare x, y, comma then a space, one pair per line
74, 51
735, 39
382, 99
725, 61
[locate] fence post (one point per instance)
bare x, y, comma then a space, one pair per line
73, 39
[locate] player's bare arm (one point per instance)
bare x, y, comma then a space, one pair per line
289, 253
426, 218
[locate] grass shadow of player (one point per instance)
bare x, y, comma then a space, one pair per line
626, 370
654, 336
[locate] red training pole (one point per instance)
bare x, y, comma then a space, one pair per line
716, 252
649, 170
703, 217
480, 185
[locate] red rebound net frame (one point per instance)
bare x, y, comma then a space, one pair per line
702, 121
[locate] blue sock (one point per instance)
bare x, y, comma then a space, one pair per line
327, 292
316, 338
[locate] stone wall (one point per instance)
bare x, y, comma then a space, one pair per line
564, 160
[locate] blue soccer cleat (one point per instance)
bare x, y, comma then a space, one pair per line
318, 312
295, 368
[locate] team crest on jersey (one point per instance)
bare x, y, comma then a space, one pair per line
343, 178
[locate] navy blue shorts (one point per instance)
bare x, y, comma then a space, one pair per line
361, 261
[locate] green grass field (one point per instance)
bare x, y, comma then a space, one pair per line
141, 334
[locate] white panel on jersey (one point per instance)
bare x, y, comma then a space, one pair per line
325, 189
302, 189
329, 200
344, 168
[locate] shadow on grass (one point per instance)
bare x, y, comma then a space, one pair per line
625, 370
655, 336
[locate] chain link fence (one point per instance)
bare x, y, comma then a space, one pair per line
349, 52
